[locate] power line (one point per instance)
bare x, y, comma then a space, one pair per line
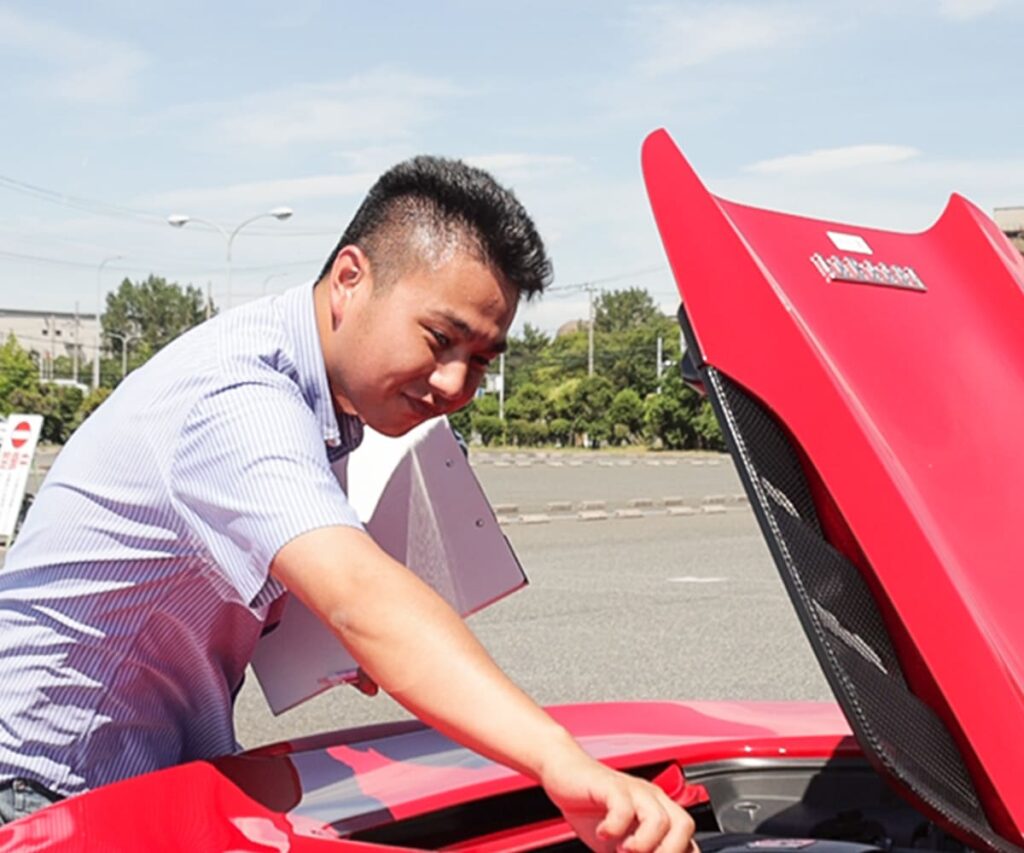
79, 202
42, 259
583, 285
120, 211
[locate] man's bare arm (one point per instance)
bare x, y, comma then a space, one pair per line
418, 649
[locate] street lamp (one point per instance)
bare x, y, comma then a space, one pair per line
180, 220
99, 325
125, 340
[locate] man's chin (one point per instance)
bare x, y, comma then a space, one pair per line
394, 427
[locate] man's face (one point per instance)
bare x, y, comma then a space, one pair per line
417, 348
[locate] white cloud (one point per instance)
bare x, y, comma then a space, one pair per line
522, 167
834, 159
376, 107
87, 69
261, 194
962, 10
690, 34
903, 195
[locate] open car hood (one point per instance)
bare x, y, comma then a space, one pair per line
870, 385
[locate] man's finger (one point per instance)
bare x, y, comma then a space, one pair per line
676, 838
618, 819
653, 824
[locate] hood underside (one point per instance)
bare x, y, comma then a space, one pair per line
870, 385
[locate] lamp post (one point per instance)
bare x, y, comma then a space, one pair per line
180, 220
99, 325
125, 340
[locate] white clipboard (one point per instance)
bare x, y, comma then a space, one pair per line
421, 502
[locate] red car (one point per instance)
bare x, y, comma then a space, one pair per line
871, 389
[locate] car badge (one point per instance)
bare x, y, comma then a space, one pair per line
861, 271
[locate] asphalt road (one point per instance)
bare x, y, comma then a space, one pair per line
643, 605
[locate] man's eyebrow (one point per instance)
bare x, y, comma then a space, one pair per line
467, 331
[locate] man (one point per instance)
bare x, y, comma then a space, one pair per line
201, 492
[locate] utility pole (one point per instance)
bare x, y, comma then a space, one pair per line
50, 332
659, 366
74, 352
590, 329
501, 386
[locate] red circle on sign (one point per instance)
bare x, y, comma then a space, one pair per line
20, 434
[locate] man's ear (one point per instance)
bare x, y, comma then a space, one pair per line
349, 272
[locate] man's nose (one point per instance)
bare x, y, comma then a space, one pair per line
448, 380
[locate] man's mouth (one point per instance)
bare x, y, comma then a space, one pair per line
424, 410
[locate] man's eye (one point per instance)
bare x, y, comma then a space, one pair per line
441, 338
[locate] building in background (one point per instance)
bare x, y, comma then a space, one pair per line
51, 335
1011, 222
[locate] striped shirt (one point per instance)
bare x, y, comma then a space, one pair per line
133, 598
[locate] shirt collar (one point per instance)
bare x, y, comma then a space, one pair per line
297, 307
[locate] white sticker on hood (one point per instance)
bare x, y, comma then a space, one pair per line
849, 242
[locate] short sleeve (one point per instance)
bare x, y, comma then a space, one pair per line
250, 474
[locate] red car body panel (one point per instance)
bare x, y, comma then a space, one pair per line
308, 795
909, 405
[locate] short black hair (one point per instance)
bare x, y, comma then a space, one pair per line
451, 204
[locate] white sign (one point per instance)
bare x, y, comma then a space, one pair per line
16, 452
849, 242
422, 503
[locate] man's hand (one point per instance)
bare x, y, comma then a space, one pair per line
410, 642
611, 811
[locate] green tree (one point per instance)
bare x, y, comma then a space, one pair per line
529, 403
708, 429
17, 372
560, 431
490, 428
524, 356
619, 310
58, 404
590, 404
670, 416
527, 433
461, 421
627, 411
153, 312
90, 403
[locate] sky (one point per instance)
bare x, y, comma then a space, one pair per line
118, 113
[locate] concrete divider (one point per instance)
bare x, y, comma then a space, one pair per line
535, 518
682, 510
592, 515
713, 509
587, 506
628, 513
674, 500
506, 509
558, 506
638, 503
